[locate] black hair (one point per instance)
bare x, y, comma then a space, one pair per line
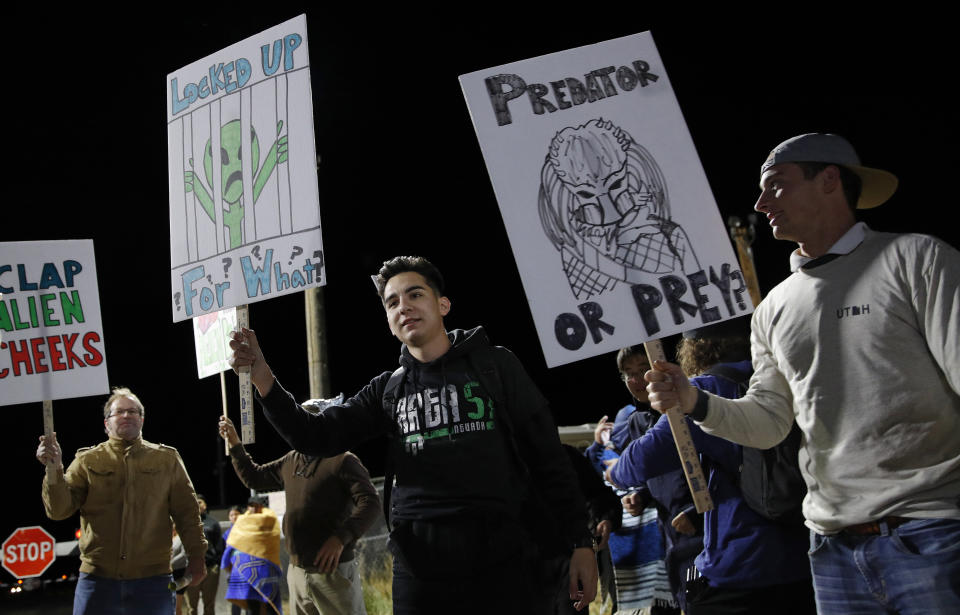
403, 264
631, 351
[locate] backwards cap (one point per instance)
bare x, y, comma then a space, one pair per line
878, 185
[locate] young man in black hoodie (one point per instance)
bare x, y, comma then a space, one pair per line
474, 450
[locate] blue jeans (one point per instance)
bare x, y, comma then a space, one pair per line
102, 596
913, 568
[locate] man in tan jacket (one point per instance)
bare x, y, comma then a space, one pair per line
130, 493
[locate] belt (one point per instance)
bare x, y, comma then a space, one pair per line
872, 528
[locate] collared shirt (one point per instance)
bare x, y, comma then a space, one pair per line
845, 245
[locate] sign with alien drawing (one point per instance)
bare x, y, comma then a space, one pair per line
612, 223
52, 336
244, 205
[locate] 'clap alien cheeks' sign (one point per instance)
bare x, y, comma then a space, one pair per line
51, 337
244, 204
613, 226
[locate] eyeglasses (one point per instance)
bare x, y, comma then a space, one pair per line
127, 412
626, 377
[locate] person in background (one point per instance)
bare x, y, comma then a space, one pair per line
645, 549
235, 511
605, 515
178, 565
252, 557
749, 564
208, 588
330, 504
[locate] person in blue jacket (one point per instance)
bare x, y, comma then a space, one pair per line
749, 564
640, 561
631, 364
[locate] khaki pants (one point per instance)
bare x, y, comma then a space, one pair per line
318, 593
208, 589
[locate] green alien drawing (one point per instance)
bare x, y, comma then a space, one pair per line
231, 175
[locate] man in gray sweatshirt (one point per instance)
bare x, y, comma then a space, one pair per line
861, 346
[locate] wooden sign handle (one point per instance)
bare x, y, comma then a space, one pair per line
689, 458
223, 401
51, 469
247, 432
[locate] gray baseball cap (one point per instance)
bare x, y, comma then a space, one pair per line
878, 185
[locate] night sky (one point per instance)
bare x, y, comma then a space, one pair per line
402, 172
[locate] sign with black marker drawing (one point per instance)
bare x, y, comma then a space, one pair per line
244, 205
612, 223
51, 337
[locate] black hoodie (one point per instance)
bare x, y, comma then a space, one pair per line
450, 453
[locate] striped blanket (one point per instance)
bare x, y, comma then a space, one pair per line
252, 556
637, 552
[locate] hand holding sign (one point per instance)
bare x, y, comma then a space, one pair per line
48, 452
669, 388
228, 432
245, 352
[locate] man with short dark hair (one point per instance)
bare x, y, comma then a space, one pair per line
130, 493
861, 344
474, 450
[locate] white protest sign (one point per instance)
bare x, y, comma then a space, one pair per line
211, 336
616, 234
244, 205
52, 346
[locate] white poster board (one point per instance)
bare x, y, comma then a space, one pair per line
613, 226
244, 204
52, 336
211, 336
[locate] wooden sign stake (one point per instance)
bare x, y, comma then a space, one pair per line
681, 437
247, 435
223, 400
48, 431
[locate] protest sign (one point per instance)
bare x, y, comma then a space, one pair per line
211, 336
52, 345
616, 234
244, 205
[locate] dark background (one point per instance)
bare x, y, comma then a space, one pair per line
402, 172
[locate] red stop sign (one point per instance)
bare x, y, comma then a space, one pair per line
28, 552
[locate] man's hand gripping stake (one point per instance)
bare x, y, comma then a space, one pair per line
681, 437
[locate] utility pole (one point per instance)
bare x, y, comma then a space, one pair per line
317, 366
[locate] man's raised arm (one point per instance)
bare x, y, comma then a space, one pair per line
60, 497
327, 433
